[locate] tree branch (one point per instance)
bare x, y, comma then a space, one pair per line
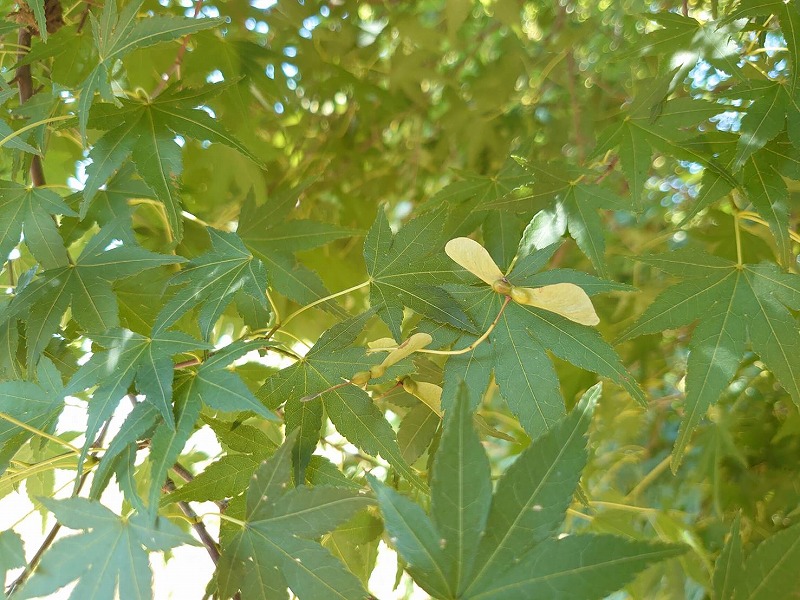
198, 525
25, 86
176, 65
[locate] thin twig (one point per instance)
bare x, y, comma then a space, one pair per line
174, 70
198, 525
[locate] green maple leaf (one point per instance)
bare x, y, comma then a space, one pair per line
682, 41
128, 358
766, 117
116, 35
770, 570
35, 404
760, 183
12, 555
212, 280
407, 269
85, 286
109, 557
789, 19
729, 566
331, 361
145, 130
475, 545
225, 478
275, 550
121, 452
734, 304
30, 210
273, 238
476, 192
220, 387
653, 123
575, 210
517, 349
769, 195
767, 573
167, 443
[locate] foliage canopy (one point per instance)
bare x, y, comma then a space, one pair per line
510, 200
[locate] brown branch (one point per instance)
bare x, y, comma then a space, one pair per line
25, 86
175, 69
192, 362
198, 526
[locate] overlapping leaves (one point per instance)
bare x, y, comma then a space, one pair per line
274, 238
407, 269
516, 350
30, 210
768, 572
733, 305
145, 130
84, 286
212, 280
313, 387
276, 550
478, 545
118, 34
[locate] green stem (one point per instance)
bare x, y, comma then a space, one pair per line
39, 432
737, 231
303, 309
325, 299
474, 344
22, 130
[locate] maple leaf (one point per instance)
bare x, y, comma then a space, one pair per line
330, 362
145, 130
683, 40
219, 387
576, 207
30, 210
116, 35
408, 269
733, 304
128, 358
109, 556
273, 238
36, 405
478, 545
475, 193
654, 123
212, 280
760, 181
516, 348
275, 550
85, 286
12, 555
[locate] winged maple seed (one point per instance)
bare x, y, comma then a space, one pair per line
565, 299
396, 354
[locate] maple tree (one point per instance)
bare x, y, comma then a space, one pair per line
505, 293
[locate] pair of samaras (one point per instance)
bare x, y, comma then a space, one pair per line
565, 299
